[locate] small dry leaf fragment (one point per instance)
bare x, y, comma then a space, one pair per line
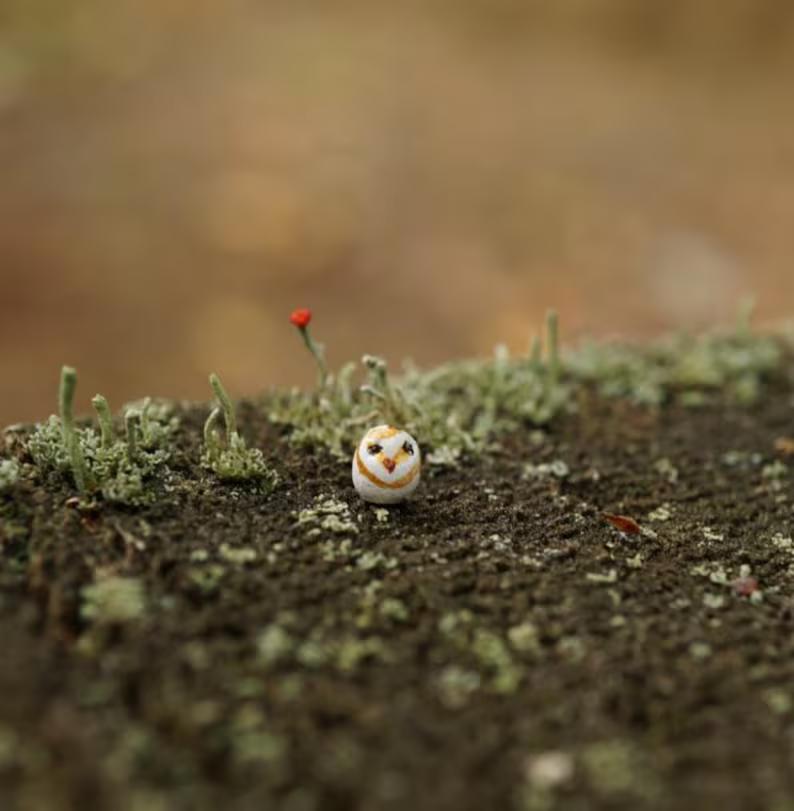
785, 445
623, 523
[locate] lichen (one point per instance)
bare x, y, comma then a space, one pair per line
612, 767
463, 407
45, 445
9, 474
456, 409
456, 685
119, 469
524, 637
234, 461
683, 367
158, 422
113, 600
274, 645
327, 515
238, 555
546, 470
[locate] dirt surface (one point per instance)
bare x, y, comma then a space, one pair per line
493, 644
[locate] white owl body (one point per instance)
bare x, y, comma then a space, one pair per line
386, 465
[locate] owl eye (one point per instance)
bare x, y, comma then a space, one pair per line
374, 449
408, 448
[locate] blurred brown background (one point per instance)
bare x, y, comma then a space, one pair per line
428, 176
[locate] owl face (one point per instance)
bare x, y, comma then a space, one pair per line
386, 465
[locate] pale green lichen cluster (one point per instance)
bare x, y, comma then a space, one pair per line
690, 369
464, 406
327, 515
233, 461
460, 408
120, 469
457, 408
279, 645
113, 600
488, 660
614, 769
125, 469
9, 474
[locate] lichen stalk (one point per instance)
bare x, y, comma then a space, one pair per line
132, 422
71, 441
102, 408
229, 416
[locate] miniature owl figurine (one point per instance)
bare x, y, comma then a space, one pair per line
386, 465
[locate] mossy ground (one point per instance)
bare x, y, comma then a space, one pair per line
494, 643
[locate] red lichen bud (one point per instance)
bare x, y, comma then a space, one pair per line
301, 318
745, 586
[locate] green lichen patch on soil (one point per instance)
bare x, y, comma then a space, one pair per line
463, 407
494, 643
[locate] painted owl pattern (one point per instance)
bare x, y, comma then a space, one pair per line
386, 465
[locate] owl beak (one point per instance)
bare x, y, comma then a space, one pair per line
389, 464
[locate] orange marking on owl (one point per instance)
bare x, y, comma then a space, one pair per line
387, 432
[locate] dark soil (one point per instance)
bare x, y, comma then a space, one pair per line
333, 670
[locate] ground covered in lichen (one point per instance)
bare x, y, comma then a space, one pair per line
493, 644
